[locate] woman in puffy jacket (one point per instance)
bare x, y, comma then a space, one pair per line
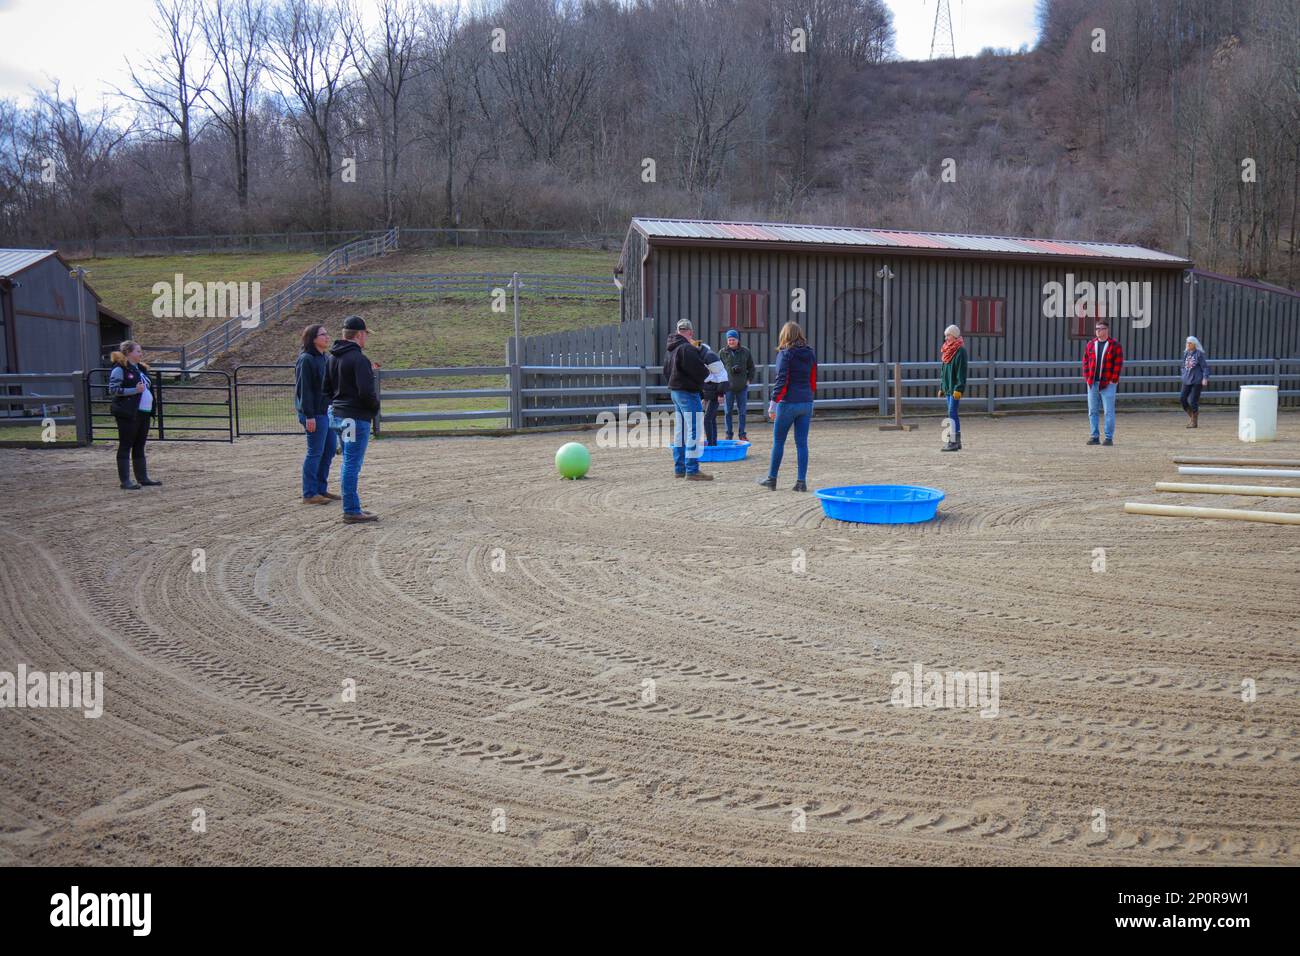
131, 389
791, 406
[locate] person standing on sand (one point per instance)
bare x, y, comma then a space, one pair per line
354, 403
1195, 376
313, 414
793, 385
740, 372
132, 407
715, 385
1103, 360
952, 380
685, 372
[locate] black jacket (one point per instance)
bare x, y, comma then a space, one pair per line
684, 367
122, 381
309, 395
350, 382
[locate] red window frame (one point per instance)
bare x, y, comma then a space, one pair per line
983, 315
743, 309
1083, 324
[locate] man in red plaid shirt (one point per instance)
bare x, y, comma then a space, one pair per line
1103, 360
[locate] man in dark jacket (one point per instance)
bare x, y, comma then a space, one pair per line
740, 372
354, 402
685, 371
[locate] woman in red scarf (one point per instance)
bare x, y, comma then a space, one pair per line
952, 380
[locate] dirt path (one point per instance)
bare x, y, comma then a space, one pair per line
500, 625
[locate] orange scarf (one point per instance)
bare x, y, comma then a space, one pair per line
950, 347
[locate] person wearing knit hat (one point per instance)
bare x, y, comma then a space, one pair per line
740, 372
952, 381
1195, 376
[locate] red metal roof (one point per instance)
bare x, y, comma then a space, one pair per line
846, 237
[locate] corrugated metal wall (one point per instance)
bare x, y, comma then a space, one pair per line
46, 326
1233, 320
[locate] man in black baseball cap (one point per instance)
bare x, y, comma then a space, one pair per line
354, 403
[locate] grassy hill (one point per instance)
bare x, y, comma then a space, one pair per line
126, 284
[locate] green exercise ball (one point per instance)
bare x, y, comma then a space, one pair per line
572, 460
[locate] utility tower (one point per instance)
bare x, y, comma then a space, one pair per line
942, 44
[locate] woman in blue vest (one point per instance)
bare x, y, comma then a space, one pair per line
131, 389
791, 405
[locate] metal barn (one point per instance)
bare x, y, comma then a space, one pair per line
751, 275
40, 327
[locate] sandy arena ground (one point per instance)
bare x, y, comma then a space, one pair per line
520, 690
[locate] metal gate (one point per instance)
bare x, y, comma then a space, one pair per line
264, 401
187, 406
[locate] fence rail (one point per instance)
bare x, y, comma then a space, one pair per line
258, 399
376, 285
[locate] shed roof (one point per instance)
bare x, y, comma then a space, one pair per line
848, 238
14, 261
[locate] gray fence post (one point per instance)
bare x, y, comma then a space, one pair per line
81, 407
1277, 374
993, 387
516, 384
645, 378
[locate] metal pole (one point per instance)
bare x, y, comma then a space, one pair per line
516, 384
80, 275
1190, 280
887, 274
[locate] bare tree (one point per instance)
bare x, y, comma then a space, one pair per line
387, 62
235, 32
310, 46
546, 73
171, 84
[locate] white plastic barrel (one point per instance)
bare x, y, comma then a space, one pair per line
1257, 413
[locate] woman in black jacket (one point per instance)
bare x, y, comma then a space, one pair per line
313, 414
132, 404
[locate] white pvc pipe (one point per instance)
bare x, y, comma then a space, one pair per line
1261, 491
1247, 462
1244, 472
1232, 514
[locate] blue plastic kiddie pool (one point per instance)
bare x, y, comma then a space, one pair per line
726, 449
880, 504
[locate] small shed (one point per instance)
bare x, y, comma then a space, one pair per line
40, 324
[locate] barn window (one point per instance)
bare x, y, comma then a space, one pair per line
742, 309
1083, 322
983, 316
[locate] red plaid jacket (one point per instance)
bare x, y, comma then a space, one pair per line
1111, 364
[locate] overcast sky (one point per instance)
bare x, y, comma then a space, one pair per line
82, 43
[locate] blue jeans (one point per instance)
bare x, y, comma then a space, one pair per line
355, 441
1098, 399
320, 455
952, 413
799, 415
737, 401
688, 422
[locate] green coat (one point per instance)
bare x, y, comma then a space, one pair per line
953, 377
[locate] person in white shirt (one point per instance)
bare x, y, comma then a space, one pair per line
715, 385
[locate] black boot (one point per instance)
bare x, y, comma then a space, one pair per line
800, 486
142, 473
951, 446
769, 483
124, 476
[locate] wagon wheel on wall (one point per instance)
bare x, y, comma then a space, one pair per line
858, 323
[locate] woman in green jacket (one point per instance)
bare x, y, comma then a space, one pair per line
952, 380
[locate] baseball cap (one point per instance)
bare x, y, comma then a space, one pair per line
355, 323
684, 324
